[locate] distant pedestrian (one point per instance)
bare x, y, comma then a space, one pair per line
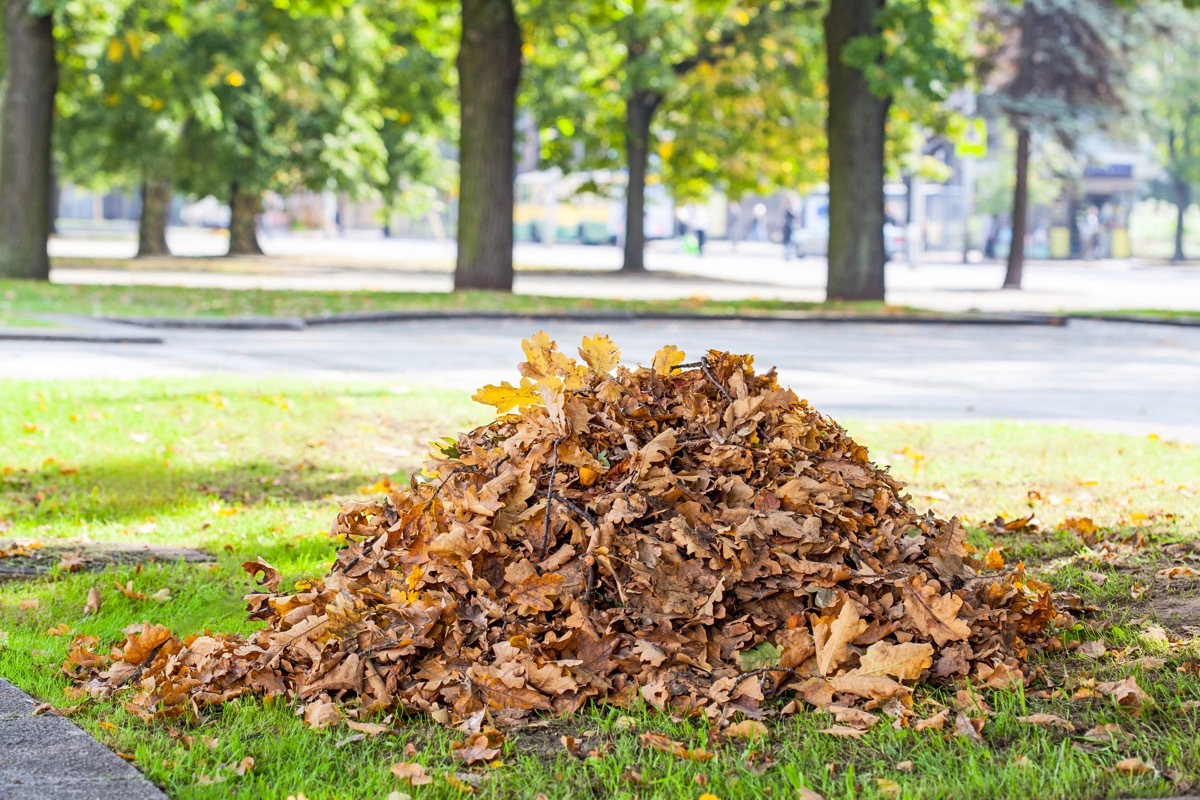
699, 217
789, 226
1089, 233
759, 232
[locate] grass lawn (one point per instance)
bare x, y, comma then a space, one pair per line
1148, 313
22, 301
244, 469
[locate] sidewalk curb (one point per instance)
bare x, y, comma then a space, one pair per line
297, 323
48, 756
25, 336
1136, 320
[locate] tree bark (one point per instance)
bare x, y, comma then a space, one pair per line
26, 121
1016, 252
156, 211
489, 71
639, 114
1183, 199
855, 127
244, 206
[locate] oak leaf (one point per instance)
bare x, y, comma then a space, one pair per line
270, 578
932, 614
833, 636
536, 593
475, 748
410, 773
904, 661
506, 396
1049, 720
666, 358
600, 353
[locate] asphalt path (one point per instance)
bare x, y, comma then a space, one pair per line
1140, 378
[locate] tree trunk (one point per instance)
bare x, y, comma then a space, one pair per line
244, 206
639, 113
1183, 199
855, 127
489, 71
27, 122
1016, 252
156, 210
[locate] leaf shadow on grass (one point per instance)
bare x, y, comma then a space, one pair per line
126, 491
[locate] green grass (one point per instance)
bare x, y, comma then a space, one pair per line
244, 469
21, 301
1148, 313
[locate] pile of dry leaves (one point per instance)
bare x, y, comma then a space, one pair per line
692, 534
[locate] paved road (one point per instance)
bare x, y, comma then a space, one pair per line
1106, 375
754, 270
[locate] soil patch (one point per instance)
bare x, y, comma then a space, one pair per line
22, 560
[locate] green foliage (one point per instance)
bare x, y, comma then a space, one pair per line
1168, 97
738, 88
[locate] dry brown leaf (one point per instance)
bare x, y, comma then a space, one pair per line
270, 575
476, 748
843, 731
93, 602
1126, 693
1134, 766
936, 723
1093, 649
747, 729
411, 773
1048, 720
970, 728
832, 636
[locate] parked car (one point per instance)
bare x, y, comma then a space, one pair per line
811, 234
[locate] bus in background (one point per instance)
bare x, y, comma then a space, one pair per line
584, 208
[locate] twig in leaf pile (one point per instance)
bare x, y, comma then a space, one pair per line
713, 379
791, 673
578, 509
549, 499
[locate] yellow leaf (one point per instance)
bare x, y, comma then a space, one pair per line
235, 78
588, 476
904, 661
600, 353
506, 396
666, 358
993, 560
115, 50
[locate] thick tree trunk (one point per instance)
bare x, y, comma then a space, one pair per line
1016, 252
855, 126
489, 71
1183, 199
26, 123
156, 210
244, 206
639, 114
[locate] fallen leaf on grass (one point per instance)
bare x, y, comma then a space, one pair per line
29, 605
321, 714
804, 793
1137, 590
464, 782
411, 773
1093, 649
476, 748
843, 731
1126, 693
888, 787
245, 765
935, 723
369, 728
854, 717
1134, 766
93, 602
129, 591
1177, 572
903, 661
72, 562
1103, 733
1157, 634
904, 766
658, 741
746, 729
969, 727
1049, 720
61, 629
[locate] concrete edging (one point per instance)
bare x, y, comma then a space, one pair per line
47, 756
296, 323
